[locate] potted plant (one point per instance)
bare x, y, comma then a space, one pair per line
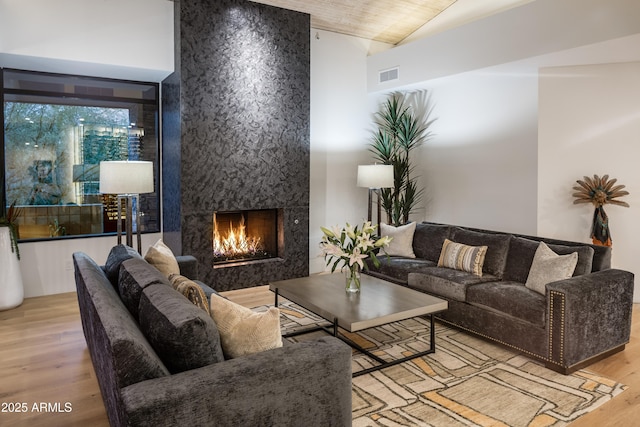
10, 222
401, 128
11, 289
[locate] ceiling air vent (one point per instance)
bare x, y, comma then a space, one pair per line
388, 75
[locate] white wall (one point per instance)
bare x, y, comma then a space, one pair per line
479, 168
589, 123
340, 130
128, 39
47, 267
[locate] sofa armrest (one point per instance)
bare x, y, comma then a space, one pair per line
188, 266
303, 384
589, 315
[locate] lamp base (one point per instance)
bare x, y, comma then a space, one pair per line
129, 200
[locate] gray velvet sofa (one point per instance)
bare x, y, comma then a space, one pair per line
158, 359
578, 321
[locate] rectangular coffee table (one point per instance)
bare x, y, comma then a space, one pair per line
379, 302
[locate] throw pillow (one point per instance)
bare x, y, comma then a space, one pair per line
549, 267
244, 331
191, 290
135, 275
160, 256
183, 336
401, 239
462, 257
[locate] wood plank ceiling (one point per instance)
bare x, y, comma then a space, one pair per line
388, 21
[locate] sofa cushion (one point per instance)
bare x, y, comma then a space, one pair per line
397, 269
135, 275
601, 254
161, 257
462, 257
428, 240
401, 239
446, 282
188, 266
497, 247
585, 256
549, 267
522, 251
121, 354
244, 331
183, 335
191, 290
511, 298
117, 256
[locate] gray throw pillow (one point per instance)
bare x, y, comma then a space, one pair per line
184, 336
135, 275
549, 267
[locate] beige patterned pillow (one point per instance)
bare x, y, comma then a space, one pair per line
402, 239
549, 267
462, 257
161, 257
244, 331
191, 290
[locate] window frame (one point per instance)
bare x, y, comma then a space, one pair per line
99, 100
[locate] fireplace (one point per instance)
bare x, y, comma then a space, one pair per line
260, 160
244, 236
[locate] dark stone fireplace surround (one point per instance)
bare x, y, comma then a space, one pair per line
236, 132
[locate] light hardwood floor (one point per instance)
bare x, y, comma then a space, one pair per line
44, 360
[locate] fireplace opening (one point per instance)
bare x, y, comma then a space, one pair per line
247, 235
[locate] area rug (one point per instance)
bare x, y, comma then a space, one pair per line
466, 382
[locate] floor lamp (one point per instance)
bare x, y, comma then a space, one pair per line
127, 179
375, 177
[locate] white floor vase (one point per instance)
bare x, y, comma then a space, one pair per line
11, 289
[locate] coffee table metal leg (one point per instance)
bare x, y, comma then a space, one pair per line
333, 330
385, 364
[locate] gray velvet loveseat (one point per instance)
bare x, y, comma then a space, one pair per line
568, 324
159, 362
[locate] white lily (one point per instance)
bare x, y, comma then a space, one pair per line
368, 228
330, 249
350, 231
364, 242
356, 257
327, 232
383, 241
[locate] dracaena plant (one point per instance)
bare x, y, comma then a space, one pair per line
402, 126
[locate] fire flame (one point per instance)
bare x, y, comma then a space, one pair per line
235, 243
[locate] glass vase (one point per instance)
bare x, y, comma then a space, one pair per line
352, 276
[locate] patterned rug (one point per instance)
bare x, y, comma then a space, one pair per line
466, 382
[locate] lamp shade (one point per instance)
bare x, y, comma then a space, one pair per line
126, 177
375, 176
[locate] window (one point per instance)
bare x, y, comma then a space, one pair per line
57, 130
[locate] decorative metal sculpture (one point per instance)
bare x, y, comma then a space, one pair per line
599, 191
